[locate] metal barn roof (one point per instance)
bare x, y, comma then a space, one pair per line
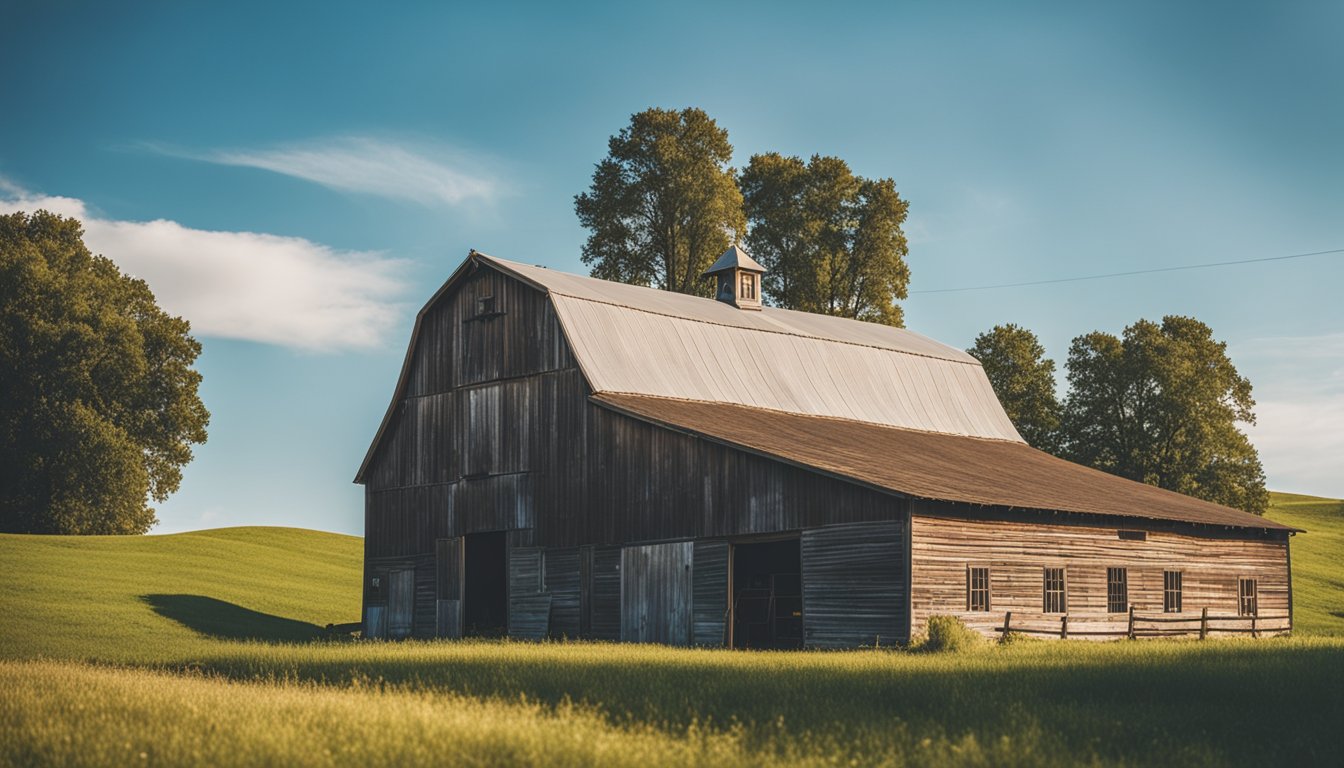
636, 340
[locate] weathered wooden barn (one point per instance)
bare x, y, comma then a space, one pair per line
571, 457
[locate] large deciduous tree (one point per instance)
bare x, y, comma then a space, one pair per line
832, 241
98, 397
1024, 380
663, 203
1161, 405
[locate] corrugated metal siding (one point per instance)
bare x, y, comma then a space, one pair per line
709, 600
632, 351
854, 585
656, 593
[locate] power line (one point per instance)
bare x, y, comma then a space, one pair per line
1133, 272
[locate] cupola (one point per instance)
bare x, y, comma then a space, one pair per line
739, 279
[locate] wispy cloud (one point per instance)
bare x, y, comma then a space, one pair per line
428, 174
286, 291
1299, 390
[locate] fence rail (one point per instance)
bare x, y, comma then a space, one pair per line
1153, 626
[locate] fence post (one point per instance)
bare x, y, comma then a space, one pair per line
1131, 622
1007, 623
1204, 623
1253, 632
1064, 627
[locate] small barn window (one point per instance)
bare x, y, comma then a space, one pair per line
485, 305
1248, 605
1171, 591
748, 286
1117, 590
1055, 599
977, 589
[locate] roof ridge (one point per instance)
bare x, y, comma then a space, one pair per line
766, 311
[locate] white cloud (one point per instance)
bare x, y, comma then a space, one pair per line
433, 176
286, 291
1299, 390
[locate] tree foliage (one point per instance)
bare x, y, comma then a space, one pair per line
664, 203
1161, 406
1024, 380
832, 241
98, 399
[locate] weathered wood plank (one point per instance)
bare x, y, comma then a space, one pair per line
709, 600
854, 585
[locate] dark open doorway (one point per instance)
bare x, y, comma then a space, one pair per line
485, 596
767, 595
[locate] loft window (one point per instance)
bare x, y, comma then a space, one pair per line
485, 305
1171, 591
1248, 605
1055, 600
977, 589
1117, 590
748, 286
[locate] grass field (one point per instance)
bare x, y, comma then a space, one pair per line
128, 650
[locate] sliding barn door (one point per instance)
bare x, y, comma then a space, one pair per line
656, 593
400, 602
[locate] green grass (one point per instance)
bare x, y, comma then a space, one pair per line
110, 597
1318, 572
114, 648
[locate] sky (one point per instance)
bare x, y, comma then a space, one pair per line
297, 179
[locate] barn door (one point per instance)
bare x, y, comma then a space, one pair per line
656, 593
449, 567
400, 602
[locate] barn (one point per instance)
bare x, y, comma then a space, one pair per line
571, 457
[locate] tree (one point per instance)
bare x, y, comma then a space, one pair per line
1161, 406
663, 203
831, 240
1024, 380
98, 401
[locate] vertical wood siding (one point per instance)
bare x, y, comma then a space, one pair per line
449, 560
854, 585
604, 616
562, 583
656, 593
1016, 552
709, 599
529, 606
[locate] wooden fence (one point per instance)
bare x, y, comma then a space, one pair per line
1160, 625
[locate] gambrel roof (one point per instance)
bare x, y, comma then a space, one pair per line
636, 340
884, 407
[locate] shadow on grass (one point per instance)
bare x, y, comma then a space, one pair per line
227, 621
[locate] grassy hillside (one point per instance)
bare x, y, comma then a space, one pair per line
140, 597
1318, 560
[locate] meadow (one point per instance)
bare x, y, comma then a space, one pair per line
102, 668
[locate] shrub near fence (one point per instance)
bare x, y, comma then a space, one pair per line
1138, 625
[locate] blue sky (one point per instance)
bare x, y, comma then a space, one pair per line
297, 180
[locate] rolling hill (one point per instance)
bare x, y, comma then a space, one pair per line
137, 597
